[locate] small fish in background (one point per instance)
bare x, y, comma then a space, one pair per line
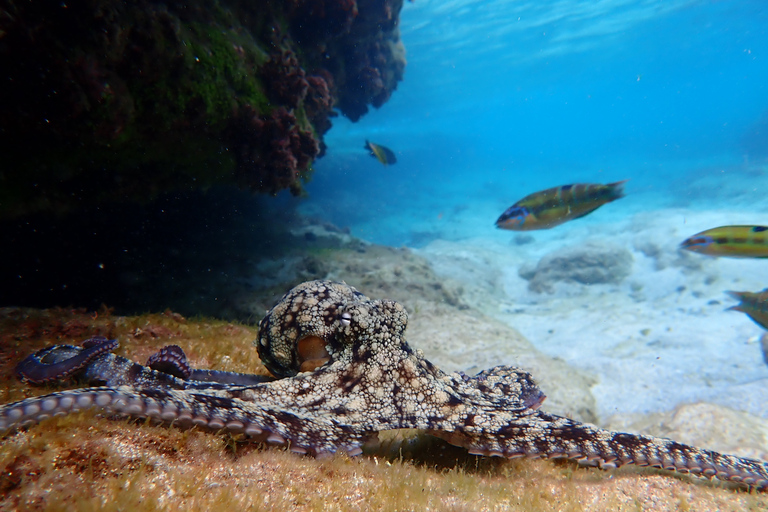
554, 206
755, 305
381, 153
732, 241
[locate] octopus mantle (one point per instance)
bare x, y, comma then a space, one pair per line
344, 372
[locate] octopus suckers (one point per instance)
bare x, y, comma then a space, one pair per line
235, 426
200, 421
134, 407
216, 424
253, 430
153, 410
49, 404
84, 401
184, 417
103, 399
169, 412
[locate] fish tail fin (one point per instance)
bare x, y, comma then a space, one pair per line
738, 296
617, 188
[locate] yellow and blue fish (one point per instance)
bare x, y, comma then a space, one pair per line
381, 153
733, 241
755, 305
554, 206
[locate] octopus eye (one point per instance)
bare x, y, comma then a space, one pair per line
312, 353
346, 318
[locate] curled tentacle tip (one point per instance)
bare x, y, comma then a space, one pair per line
172, 360
61, 362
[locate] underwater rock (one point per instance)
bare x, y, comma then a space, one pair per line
325, 254
590, 263
468, 340
106, 100
651, 249
397, 273
663, 257
258, 269
475, 267
272, 150
717, 427
523, 239
372, 55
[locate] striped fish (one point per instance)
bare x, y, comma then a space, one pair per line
755, 305
554, 206
733, 241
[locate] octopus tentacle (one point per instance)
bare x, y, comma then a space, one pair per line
94, 364
232, 378
544, 435
48, 365
171, 359
186, 409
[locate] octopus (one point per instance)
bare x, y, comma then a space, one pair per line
343, 372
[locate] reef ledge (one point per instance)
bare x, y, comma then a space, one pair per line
106, 100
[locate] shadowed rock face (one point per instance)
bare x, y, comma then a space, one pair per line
106, 100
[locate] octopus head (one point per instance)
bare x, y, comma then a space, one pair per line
301, 332
380, 322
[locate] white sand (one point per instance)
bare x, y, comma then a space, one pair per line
660, 338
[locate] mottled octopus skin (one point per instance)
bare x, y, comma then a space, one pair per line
367, 380
35, 369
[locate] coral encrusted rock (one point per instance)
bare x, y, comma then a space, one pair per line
105, 100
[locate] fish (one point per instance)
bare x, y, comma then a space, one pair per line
755, 305
556, 205
381, 153
731, 241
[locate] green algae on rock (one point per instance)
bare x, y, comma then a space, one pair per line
107, 100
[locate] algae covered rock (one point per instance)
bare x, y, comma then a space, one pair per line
106, 100
589, 263
469, 341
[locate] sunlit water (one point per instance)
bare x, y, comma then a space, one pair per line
504, 98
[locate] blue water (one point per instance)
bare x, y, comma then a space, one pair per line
503, 98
